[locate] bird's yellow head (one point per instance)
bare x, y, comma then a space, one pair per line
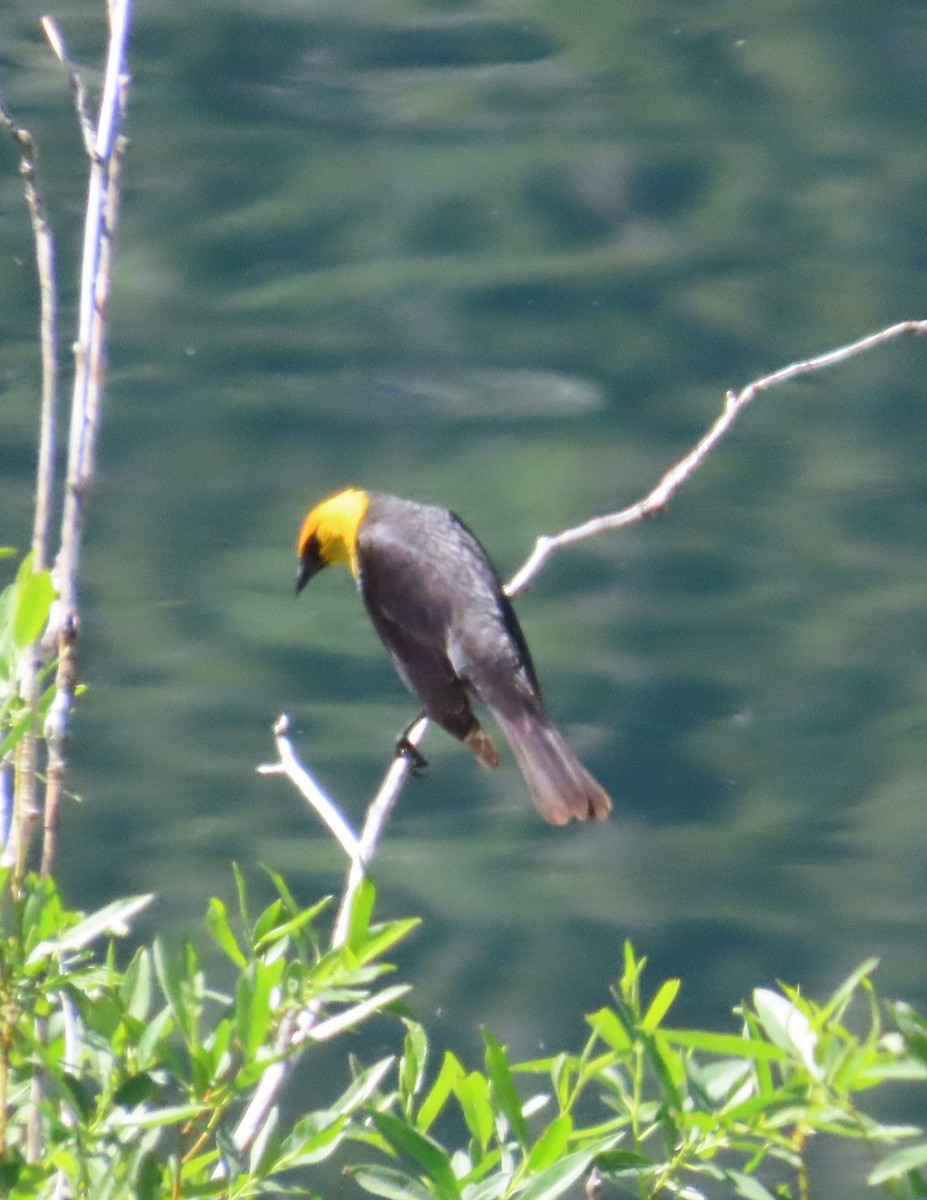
328, 535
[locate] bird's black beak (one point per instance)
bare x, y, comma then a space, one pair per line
310, 563
304, 574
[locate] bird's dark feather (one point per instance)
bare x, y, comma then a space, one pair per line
437, 604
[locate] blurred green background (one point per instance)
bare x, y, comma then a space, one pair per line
507, 256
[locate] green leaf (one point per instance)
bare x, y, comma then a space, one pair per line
660, 1005
168, 974
314, 1138
135, 1090
607, 1025
156, 1029
358, 1012
788, 1027
176, 1114
112, 919
912, 1027
764, 1076
34, 596
361, 911
449, 1075
135, 987
216, 1046
551, 1145
283, 891
393, 1185
362, 1088
43, 915
17, 729
381, 938
629, 984
266, 1145
910, 1158
475, 1099
843, 993
253, 1004
500, 1076
241, 888
430, 1156
217, 922
728, 1044
267, 922
670, 1071
747, 1186
557, 1178
413, 1062
276, 930
622, 1160
80, 1094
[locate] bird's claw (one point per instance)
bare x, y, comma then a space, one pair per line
405, 749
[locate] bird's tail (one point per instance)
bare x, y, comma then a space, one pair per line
561, 787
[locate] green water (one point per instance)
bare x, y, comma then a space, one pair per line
507, 257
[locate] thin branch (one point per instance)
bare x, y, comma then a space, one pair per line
81, 97
265, 1095
106, 149
657, 499
48, 328
26, 807
6, 811
327, 811
89, 347
378, 815
96, 365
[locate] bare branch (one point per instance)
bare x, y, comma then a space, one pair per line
48, 321
374, 826
6, 814
81, 98
360, 850
105, 148
26, 807
327, 811
657, 499
265, 1094
95, 259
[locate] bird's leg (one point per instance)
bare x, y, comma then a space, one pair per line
405, 749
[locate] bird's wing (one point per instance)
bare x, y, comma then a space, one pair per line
412, 629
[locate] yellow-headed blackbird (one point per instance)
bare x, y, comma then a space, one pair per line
437, 603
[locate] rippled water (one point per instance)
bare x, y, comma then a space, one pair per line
508, 257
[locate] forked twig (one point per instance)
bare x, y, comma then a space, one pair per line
307, 787
81, 98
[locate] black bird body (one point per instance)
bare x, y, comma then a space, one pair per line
439, 608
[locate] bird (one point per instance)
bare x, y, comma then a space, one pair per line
440, 609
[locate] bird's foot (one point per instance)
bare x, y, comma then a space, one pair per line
405, 749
